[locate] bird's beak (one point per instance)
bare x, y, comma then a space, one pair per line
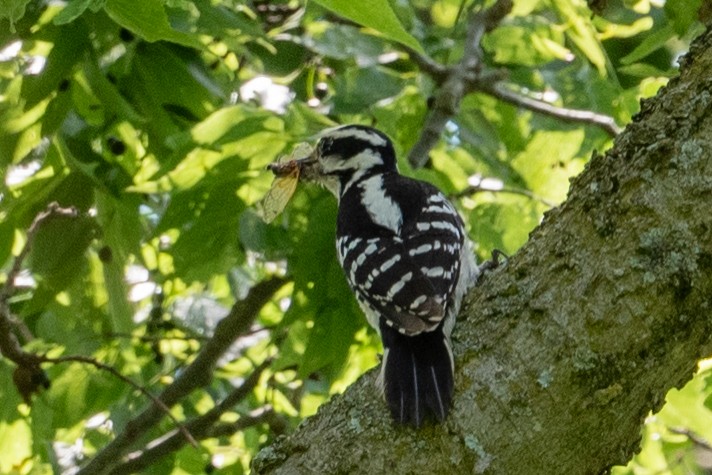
309, 160
306, 162
308, 165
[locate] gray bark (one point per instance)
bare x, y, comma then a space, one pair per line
563, 352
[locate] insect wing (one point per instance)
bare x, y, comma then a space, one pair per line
279, 194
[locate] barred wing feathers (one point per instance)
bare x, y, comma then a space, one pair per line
406, 277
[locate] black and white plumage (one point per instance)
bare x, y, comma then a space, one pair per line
408, 260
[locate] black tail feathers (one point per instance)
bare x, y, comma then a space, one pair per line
417, 375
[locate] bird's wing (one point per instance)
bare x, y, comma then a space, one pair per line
408, 278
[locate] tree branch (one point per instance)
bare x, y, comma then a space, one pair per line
694, 438
587, 327
569, 115
198, 374
469, 75
455, 84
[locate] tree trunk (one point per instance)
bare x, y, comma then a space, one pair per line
562, 352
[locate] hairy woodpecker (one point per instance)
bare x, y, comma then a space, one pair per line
406, 257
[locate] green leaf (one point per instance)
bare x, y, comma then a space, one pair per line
15, 436
651, 43
35, 192
73, 10
148, 20
54, 117
687, 406
329, 340
121, 232
234, 147
307, 265
547, 162
218, 18
643, 70
504, 224
682, 14
80, 391
70, 42
445, 13
108, 94
57, 252
13, 10
222, 121
619, 30
357, 92
107, 176
7, 236
580, 31
207, 243
527, 42
346, 42
375, 14
288, 58
161, 73
255, 235
496, 123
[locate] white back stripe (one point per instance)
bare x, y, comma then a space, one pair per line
381, 208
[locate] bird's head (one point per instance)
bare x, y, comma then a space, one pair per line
345, 154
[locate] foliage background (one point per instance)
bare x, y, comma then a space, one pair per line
156, 120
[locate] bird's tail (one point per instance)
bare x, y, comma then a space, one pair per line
417, 375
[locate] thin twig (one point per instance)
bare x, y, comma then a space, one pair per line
435, 70
694, 438
197, 374
471, 190
201, 427
155, 338
104, 367
570, 115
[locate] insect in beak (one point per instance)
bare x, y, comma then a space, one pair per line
301, 158
287, 171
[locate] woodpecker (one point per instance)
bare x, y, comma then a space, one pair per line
408, 260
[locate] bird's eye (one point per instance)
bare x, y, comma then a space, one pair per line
324, 147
